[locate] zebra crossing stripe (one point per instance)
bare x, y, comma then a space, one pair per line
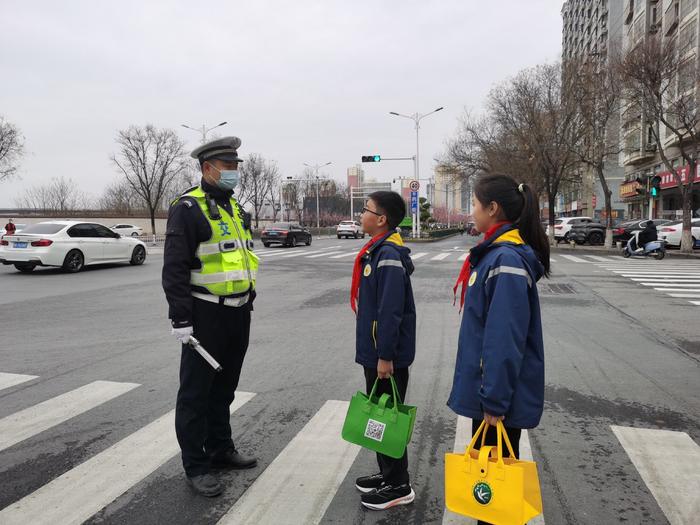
418, 255
35, 419
299, 253
81, 492
663, 284
463, 257
677, 289
597, 258
440, 256
322, 255
686, 295
7, 380
300, 483
573, 258
669, 464
677, 281
463, 435
343, 255
696, 303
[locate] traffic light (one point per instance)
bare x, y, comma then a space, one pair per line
655, 185
371, 158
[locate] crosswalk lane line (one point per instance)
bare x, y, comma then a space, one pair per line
81, 492
463, 257
300, 483
677, 289
665, 285
305, 252
597, 258
685, 295
322, 255
37, 418
648, 279
440, 256
343, 255
696, 303
7, 380
573, 258
463, 435
669, 464
418, 255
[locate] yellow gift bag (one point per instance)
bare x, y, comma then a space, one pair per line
484, 485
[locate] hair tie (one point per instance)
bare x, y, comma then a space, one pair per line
521, 188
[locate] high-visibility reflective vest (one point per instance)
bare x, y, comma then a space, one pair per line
229, 265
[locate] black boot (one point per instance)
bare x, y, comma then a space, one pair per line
231, 459
205, 485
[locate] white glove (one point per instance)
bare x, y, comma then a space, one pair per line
182, 334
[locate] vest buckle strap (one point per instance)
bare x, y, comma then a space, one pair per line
225, 301
229, 245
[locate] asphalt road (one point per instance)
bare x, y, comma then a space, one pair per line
618, 442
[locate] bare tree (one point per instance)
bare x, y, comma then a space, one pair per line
598, 100
11, 148
291, 199
663, 82
258, 178
58, 197
150, 160
120, 198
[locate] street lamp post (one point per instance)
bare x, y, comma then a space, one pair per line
416, 118
317, 167
203, 130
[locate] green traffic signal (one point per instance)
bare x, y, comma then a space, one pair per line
377, 158
371, 158
654, 192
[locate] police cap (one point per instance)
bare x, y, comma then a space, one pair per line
225, 149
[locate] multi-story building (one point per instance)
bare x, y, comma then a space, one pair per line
591, 29
447, 193
356, 176
676, 20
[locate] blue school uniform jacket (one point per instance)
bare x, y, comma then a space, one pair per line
500, 355
386, 312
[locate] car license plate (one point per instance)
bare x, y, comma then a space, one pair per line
272, 234
20, 244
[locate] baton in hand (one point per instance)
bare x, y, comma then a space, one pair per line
206, 355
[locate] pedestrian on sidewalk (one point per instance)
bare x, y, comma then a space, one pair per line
382, 298
499, 374
10, 227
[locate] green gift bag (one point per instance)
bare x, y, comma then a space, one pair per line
378, 424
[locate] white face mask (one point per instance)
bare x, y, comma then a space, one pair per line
228, 179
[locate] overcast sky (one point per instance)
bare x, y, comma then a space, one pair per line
298, 81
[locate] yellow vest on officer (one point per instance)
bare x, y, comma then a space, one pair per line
229, 266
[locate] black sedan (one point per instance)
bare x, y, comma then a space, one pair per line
286, 234
623, 231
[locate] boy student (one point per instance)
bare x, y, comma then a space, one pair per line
382, 297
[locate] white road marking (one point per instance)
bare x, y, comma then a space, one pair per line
573, 258
7, 380
696, 303
440, 256
686, 295
306, 252
344, 255
418, 255
82, 491
663, 284
35, 419
669, 463
648, 280
678, 289
300, 483
597, 258
464, 256
322, 255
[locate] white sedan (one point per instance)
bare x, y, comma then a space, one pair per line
127, 229
671, 233
70, 245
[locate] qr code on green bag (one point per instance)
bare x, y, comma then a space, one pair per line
374, 430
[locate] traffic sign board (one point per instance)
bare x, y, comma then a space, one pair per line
414, 185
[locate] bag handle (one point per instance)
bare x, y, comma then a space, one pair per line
502, 436
384, 398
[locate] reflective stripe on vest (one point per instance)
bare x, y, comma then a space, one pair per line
228, 264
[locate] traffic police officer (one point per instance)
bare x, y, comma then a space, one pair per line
209, 273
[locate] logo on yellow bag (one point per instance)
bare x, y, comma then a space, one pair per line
482, 493
472, 279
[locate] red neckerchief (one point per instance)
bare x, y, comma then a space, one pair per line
467, 267
357, 271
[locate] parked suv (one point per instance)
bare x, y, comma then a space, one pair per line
563, 225
588, 232
349, 229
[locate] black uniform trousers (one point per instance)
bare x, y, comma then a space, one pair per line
394, 471
202, 415
491, 441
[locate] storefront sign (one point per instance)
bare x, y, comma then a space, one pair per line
668, 180
629, 189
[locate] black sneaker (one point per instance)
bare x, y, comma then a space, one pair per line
367, 484
206, 485
388, 496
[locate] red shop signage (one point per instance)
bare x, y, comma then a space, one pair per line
668, 180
